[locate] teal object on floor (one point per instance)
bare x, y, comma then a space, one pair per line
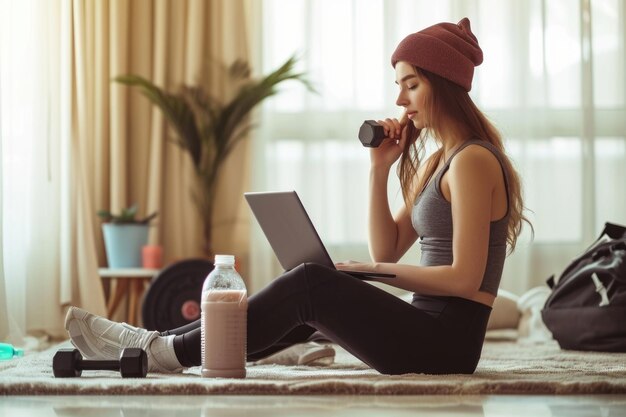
123, 243
7, 351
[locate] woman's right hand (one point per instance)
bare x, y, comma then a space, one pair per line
392, 146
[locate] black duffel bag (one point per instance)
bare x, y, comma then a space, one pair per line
587, 307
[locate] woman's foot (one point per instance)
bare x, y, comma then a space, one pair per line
99, 338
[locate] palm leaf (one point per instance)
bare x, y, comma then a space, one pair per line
250, 95
209, 128
175, 109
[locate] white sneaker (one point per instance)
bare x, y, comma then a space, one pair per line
99, 338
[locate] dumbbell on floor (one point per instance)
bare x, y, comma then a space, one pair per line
133, 363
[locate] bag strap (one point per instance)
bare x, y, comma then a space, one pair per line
614, 231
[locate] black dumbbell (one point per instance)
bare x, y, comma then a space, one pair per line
371, 134
133, 363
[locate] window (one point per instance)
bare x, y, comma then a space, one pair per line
552, 81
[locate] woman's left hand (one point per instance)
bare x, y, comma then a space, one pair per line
355, 266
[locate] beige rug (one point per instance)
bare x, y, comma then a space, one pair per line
505, 368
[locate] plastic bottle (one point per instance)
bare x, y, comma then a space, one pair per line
224, 305
7, 351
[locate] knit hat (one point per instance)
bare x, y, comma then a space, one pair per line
448, 50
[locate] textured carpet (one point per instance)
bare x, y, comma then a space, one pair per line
505, 368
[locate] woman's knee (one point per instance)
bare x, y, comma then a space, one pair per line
310, 271
318, 274
316, 269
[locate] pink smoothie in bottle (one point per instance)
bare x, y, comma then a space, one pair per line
224, 317
224, 305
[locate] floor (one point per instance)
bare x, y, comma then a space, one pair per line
306, 406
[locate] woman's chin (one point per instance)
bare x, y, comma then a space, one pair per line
417, 124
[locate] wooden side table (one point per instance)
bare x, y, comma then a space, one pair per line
131, 281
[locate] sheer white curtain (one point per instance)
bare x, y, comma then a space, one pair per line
17, 125
4, 313
552, 81
26, 171
41, 183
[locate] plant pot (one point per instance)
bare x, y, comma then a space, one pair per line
123, 243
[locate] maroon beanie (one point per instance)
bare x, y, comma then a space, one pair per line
448, 50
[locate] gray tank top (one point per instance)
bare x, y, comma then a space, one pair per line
432, 220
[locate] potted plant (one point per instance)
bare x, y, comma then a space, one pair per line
124, 236
209, 127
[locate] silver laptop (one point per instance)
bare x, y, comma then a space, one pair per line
291, 233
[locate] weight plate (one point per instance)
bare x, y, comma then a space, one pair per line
173, 298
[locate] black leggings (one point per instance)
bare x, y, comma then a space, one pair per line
434, 335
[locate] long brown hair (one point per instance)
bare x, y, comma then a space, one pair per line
450, 101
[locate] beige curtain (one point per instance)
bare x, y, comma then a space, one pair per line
122, 141
76, 142
130, 158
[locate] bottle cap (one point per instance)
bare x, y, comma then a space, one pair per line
224, 260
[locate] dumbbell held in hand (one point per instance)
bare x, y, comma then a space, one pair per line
371, 134
133, 363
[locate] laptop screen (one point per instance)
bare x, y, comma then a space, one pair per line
288, 228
